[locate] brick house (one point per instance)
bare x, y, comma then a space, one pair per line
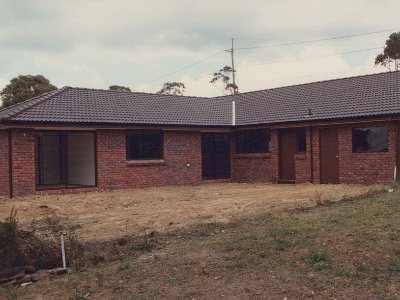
75, 139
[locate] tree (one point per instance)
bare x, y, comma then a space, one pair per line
222, 76
391, 53
24, 87
119, 88
173, 88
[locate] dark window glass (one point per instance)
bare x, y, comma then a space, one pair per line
301, 140
144, 144
252, 141
370, 139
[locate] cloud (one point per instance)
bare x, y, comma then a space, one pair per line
99, 43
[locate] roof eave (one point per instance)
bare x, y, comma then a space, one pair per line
109, 124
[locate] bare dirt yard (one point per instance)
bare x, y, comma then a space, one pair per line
335, 250
108, 215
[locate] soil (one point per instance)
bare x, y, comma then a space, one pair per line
111, 214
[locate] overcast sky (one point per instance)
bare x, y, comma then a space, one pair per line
98, 43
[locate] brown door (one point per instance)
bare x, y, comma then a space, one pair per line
329, 149
287, 150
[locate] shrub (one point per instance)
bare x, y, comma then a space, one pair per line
144, 245
319, 259
73, 247
316, 256
10, 252
20, 247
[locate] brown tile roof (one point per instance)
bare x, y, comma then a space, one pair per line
90, 106
368, 95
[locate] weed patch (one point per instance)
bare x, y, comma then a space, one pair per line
319, 259
394, 266
20, 247
144, 245
281, 244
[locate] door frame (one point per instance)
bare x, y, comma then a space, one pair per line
228, 158
63, 135
320, 154
280, 179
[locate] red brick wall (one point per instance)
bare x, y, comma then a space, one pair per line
180, 148
23, 162
303, 162
363, 168
258, 167
184, 147
4, 174
366, 168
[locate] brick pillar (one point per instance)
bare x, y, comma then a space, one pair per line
4, 164
111, 158
23, 162
274, 149
315, 155
303, 161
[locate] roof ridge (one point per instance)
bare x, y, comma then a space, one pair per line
30, 103
314, 82
146, 93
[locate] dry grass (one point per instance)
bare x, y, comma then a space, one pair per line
111, 214
343, 250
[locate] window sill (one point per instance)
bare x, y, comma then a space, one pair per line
370, 152
253, 155
300, 156
145, 162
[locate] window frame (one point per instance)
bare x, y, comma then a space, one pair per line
370, 137
243, 150
298, 130
128, 153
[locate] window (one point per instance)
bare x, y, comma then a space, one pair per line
252, 141
301, 140
370, 139
144, 144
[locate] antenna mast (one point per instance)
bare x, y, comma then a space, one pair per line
235, 89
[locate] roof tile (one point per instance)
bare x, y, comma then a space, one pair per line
368, 95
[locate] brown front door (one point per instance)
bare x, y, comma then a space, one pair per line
287, 150
329, 151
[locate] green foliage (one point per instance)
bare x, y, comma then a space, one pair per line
78, 295
319, 259
394, 266
281, 244
172, 88
390, 58
262, 254
144, 245
25, 87
73, 247
10, 253
223, 76
340, 271
19, 247
119, 88
318, 256
361, 267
